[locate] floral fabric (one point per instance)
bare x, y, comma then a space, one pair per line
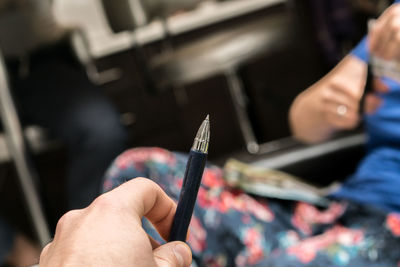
232, 228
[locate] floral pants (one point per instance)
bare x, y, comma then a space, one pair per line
232, 228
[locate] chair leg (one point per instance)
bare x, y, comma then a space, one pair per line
238, 96
18, 153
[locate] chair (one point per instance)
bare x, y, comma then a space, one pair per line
322, 163
17, 136
220, 53
80, 45
18, 152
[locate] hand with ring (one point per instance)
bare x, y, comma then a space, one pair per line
339, 104
341, 110
333, 103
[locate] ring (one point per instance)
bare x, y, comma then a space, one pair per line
341, 110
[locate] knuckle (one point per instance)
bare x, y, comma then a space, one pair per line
394, 9
338, 84
67, 219
145, 181
103, 202
326, 95
147, 185
44, 253
395, 24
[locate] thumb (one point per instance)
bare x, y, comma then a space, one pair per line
173, 254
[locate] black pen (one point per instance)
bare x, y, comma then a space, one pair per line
191, 183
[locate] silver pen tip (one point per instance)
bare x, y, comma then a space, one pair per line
208, 117
202, 138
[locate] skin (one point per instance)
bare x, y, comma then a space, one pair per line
313, 115
385, 34
109, 232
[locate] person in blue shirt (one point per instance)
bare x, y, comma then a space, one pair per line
332, 105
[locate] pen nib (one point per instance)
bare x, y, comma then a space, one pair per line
202, 138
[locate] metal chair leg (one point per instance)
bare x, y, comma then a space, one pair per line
239, 102
18, 152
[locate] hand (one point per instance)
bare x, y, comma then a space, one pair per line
331, 104
340, 102
109, 232
341, 106
384, 37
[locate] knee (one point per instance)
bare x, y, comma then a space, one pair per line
157, 164
107, 131
105, 134
139, 156
96, 127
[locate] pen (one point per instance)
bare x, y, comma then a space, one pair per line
191, 183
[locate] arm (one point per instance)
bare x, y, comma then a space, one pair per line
109, 232
314, 115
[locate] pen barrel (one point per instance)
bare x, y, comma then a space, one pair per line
187, 198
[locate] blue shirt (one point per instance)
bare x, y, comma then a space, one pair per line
377, 179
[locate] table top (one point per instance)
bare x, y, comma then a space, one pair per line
103, 42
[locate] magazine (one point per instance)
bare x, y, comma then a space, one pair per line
274, 183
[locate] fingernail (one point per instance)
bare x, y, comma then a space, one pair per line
183, 254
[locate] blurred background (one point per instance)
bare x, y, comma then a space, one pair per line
165, 65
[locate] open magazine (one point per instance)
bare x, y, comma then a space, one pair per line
274, 184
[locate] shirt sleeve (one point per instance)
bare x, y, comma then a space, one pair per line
361, 50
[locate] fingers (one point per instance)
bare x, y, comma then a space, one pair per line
384, 35
376, 30
380, 34
390, 50
142, 197
173, 254
337, 96
346, 120
340, 107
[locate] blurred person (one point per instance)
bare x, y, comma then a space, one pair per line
109, 232
333, 104
52, 90
361, 225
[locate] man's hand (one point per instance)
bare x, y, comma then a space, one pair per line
384, 35
109, 232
